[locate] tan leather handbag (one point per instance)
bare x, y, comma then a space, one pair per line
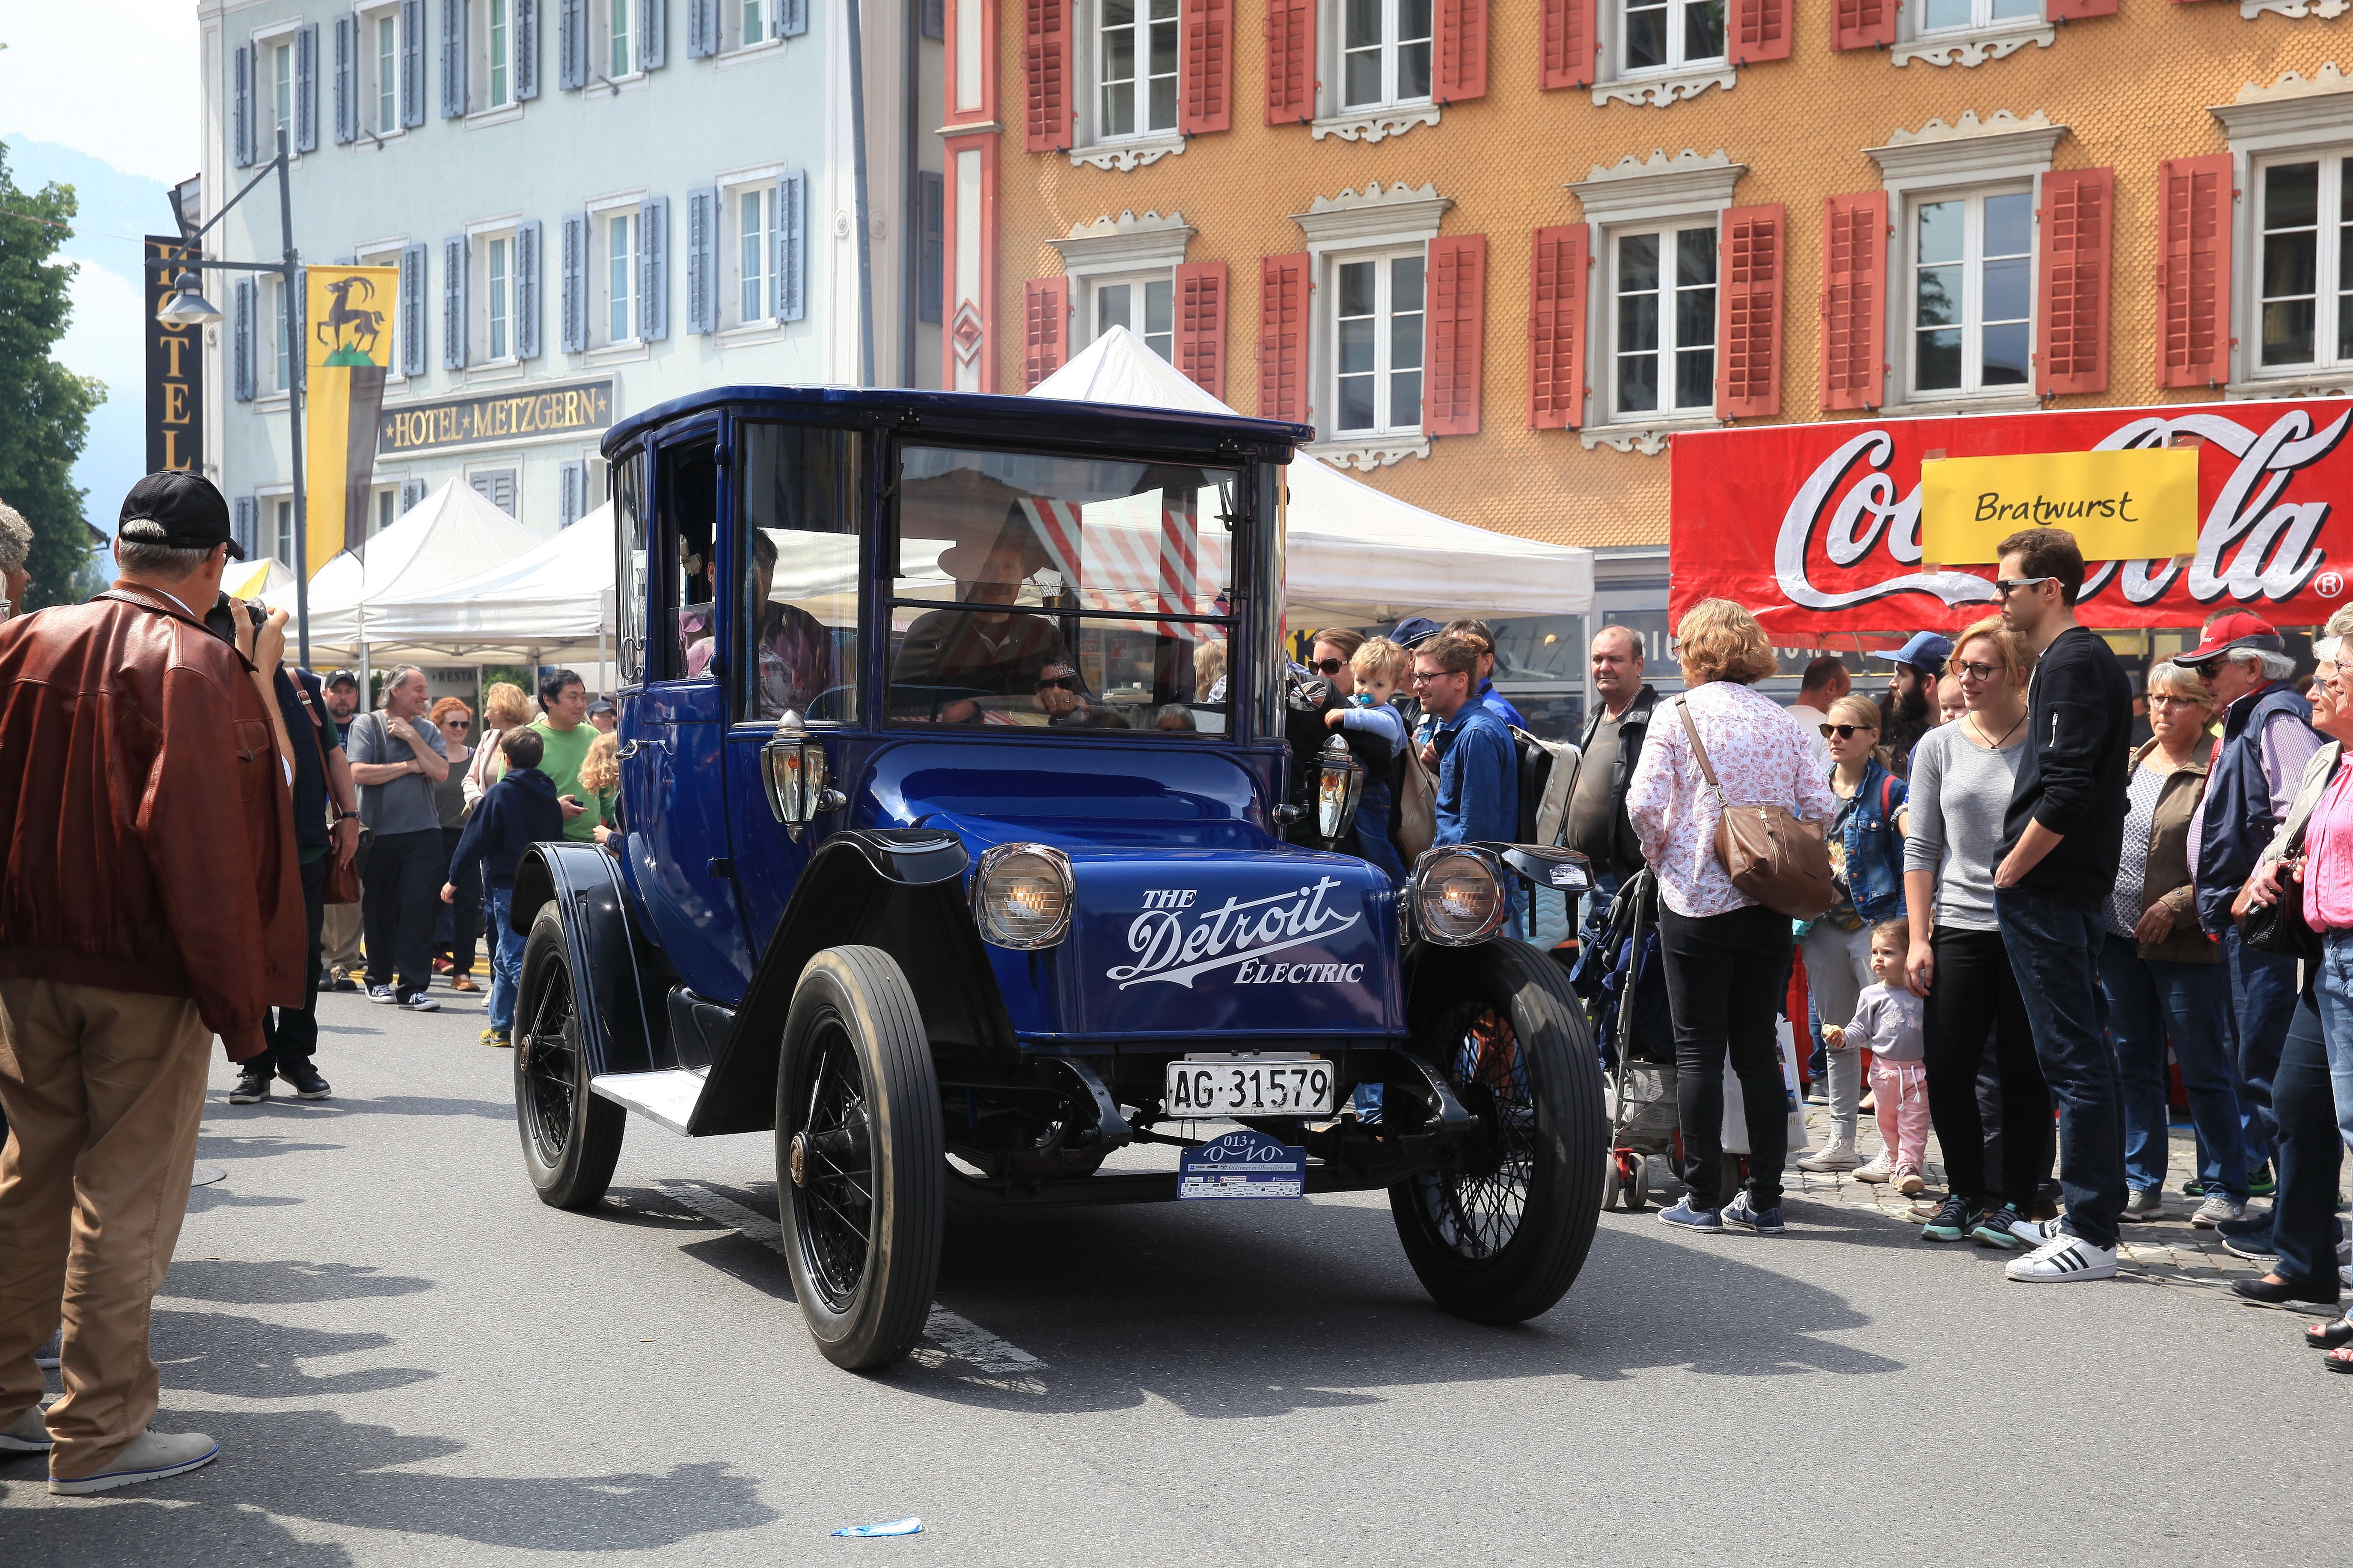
1770, 855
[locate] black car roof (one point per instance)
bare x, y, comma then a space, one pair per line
1100, 420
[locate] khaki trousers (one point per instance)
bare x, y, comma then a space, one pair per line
104, 1092
339, 935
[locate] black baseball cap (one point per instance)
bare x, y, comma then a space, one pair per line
343, 678
178, 509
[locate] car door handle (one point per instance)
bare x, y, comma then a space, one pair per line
628, 749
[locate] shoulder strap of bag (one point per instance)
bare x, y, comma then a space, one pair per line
1886, 794
1699, 752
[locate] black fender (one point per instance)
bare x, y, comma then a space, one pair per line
618, 981
901, 889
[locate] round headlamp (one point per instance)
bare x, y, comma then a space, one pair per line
1458, 896
1021, 896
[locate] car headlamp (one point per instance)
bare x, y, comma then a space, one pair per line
1021, 896
1458, 896
793, 770
1339, 787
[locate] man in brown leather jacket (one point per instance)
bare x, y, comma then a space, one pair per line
149, 899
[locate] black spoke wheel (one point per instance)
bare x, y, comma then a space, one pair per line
861, 1157
1500, 1237
571, 1138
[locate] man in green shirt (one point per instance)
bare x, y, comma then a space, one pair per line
565, 734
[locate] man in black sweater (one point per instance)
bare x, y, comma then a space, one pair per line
2061, 842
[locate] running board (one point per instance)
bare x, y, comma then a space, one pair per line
665, 1097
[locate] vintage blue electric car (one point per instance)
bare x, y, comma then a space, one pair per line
960, 851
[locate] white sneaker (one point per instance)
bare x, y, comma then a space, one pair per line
1831, 1156
152, 1456
1879, 1170
2063, 1259
29, 1434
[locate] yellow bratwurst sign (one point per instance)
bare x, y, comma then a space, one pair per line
497, 417
2138, 505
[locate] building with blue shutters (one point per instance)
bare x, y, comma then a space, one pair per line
593, 205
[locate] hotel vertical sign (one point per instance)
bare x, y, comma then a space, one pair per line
175, 369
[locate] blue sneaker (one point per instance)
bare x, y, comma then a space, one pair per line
1682, 1216
1743, 1211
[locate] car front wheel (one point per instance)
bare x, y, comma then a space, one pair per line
571, 1138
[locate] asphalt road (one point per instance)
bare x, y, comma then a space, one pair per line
408, 1360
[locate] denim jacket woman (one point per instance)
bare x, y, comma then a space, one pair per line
1875, 845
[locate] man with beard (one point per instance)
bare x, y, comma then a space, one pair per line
1908, 708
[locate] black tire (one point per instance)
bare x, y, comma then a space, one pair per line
1502, 1241
571, 1138
1637, 1193
861, 1158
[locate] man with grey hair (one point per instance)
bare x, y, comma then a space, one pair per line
397, 758
2267, 738
15, 543
1613, 744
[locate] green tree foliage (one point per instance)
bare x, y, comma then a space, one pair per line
44, 407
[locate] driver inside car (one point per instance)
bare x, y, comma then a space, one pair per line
972, 660
794, 649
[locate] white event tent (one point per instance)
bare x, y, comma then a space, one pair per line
1352, 553
553, 597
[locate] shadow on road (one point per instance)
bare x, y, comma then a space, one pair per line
218, 1353
71, 1533
270, 1284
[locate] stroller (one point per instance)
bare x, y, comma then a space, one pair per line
1620, 976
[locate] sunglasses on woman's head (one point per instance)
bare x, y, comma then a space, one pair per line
1847, 731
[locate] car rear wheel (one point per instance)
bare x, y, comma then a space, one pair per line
861, 1157
1500, 1238
571, 1138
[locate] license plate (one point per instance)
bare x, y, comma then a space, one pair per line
1250, 1085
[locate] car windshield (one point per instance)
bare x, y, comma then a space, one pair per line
1073, 592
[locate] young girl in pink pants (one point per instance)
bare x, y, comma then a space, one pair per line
1887, 1023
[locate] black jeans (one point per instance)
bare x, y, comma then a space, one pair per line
2055, 949
290, 1035
1973, 997
461, 920
1726, 975
2309, 1150
400, 889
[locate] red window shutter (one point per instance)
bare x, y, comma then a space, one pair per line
1748, 311
2193, 273
1462, 50
1045, 328
2071, 350
1209, 55
1557, 329
1201, 325
1569, 43
1862, 24
1761, 30
1046, 74
2076, 10
1290, 61
1855, 300
1456, 330
1283, 337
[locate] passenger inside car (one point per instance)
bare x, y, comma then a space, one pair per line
956, 665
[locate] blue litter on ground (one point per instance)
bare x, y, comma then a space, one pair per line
896, 1527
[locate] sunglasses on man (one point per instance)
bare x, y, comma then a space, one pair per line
1064, 682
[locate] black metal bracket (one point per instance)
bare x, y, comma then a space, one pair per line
1111, 1130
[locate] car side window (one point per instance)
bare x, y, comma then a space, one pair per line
797, 561
687, 500
629, 538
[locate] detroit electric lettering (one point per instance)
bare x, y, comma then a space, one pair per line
1176, 940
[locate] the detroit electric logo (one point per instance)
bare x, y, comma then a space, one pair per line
1174, 942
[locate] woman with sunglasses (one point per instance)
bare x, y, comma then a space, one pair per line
461, 920
1866, 844
1962, 778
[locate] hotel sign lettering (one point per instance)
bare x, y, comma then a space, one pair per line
523, 415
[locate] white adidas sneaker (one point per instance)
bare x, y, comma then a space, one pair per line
2063, 1259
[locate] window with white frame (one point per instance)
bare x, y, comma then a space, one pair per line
1662, 320
493, 74
280, 52
754, 210
1669, 34
1136, 67
494, 288
615, 51
2304, 267
1969, 299
1377, 338
755, 22
282, 348
620, 274
1385, 52
281, 530
1144, 306
379, 50
383, 508
1956, 15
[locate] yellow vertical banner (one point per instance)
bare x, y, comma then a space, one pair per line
349, 330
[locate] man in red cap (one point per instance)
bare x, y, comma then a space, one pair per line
2267, 738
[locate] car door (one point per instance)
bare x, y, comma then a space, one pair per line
674, 790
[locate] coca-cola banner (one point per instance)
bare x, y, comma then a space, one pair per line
1817, 527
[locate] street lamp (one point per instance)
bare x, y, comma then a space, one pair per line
187, 307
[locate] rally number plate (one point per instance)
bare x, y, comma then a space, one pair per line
1250, 1085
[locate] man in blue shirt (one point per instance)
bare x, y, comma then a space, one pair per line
1478, 781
